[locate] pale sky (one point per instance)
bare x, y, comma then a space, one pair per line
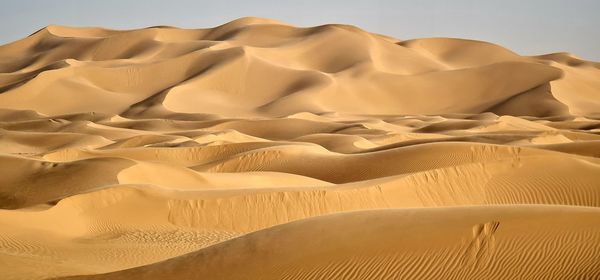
525, 26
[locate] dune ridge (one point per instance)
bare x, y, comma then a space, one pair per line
261, 150
309, 70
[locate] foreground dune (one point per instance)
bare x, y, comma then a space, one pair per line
456, 243
260, 150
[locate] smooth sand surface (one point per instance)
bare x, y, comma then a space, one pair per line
261, 150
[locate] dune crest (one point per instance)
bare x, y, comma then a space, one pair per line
261, 150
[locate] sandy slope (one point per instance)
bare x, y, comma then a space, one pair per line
535, 242
260, 150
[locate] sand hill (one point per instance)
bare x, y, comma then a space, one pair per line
261, 150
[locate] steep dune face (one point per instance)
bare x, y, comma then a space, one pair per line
580, 87
261, 150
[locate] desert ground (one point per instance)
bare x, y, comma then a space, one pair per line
261, 150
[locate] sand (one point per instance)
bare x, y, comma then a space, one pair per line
261, 150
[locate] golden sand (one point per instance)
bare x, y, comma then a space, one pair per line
260, 150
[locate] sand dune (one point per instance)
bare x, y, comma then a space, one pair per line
261, 150
458, 243
309, 69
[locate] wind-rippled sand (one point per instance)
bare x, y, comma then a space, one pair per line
260, 150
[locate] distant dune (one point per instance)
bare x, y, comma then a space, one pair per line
261, 150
